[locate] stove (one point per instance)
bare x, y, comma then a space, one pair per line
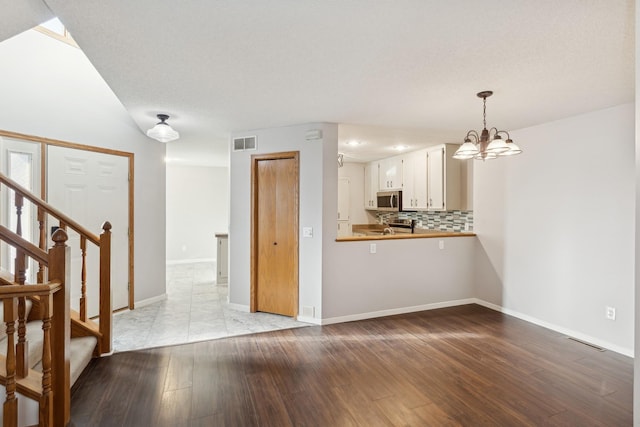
402, 225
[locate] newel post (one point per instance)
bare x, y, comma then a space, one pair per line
106, 311
59, 269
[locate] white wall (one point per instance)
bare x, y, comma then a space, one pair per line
636, 371
355, 173
556, 226
197, 209
314, 211
50, 89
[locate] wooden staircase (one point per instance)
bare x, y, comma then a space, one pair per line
47, 344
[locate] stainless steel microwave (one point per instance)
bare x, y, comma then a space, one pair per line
390, 201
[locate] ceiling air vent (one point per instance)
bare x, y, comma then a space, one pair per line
246, 143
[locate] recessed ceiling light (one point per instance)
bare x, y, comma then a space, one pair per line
353, 143
400, 147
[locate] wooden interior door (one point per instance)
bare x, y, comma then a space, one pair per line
274, 238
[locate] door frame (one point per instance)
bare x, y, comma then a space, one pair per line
44, 143
255, 158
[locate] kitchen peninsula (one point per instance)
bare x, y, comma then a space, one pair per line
418, 235
396, 231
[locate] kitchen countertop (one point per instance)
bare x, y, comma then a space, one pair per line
420, 235
370, 232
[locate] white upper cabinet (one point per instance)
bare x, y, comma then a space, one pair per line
444, 178
344, 198
414, 181
390, 173
430, 179
371, 186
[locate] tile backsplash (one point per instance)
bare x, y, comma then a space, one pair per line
435, 220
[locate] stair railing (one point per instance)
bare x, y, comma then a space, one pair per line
52, 388
102, 242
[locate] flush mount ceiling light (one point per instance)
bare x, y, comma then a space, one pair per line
162, 131
353, 143
487, 144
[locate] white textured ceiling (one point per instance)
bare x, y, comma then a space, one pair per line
389, 70
20, 15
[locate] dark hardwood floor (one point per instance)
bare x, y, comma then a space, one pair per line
465, 366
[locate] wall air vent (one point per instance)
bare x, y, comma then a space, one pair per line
246, 143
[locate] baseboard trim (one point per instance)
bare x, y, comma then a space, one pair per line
562, 330
151, 300
394, 311
189, 261
239, 307
311, 320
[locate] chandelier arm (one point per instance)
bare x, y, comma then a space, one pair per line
474, 134
503, 131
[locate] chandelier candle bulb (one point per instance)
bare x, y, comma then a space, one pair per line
488, 144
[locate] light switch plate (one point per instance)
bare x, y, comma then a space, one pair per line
307, 231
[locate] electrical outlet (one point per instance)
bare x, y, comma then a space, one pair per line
441, 244
372, 248
611, 313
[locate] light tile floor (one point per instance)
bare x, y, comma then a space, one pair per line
196, 309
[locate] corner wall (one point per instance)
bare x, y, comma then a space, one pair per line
50, 89
556, 227
313, 208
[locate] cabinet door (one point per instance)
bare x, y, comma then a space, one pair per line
344, 229
375, 171
420, 180
222, 260
435, 181
408, 188
391, 173
371, 185
383, 174
343, 199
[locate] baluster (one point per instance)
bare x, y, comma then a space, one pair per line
83, 280
42, 242
19, 204
46, 400
10, 407
22, 349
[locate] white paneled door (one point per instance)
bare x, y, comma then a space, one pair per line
21, 163
93, 188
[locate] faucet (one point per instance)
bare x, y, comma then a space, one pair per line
388, 230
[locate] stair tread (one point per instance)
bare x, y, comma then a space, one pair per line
31, 386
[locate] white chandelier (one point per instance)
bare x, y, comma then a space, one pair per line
487, 144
